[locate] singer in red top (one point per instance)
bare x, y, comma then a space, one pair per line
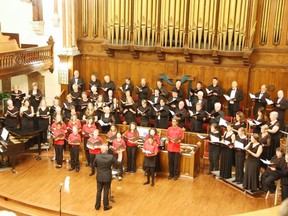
59, 138
118, 147
74, 141
94, 144
174, 135
131, 135
87, 131
150, 150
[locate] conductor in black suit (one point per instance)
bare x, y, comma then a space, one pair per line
103, 162
76, 80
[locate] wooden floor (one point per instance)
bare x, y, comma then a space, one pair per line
37, 183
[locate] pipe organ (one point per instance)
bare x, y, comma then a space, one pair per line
214, 27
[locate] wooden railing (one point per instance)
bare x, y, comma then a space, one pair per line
27, 60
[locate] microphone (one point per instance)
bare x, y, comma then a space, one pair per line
60, 188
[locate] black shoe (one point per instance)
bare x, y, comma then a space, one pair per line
127, 171
170, 177
175, 178
77, 169
92, 173
147, 182
107, 208
239, 182
87, 164
97, 207
72, 168
234, 181
59, 166
152, 184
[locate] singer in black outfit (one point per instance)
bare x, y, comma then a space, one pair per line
103, 162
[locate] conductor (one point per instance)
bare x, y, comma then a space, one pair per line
103, 162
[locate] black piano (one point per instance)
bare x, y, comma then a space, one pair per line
20, 141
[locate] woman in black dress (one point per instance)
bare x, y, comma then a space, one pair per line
214, 147
43, 115
17, 96
27, 115
240, 121
35, 96
227, 153
107, 119
115, 110
239, 144
252, 168
150, 150
54, 107
261, 118
129, 110
162, 115
144, 112
89, 112
265, 140
11, 115
68, 104
99, 105
83, 103
274, 132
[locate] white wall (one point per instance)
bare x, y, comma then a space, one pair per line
16, 17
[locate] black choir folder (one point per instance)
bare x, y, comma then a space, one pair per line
95, 144
119, 148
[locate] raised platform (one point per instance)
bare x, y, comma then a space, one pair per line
33, 190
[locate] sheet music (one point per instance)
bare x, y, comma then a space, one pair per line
269, 102
227, 97
201, 136
252, 96
214, 139
223, 122
172, 112
188, 103
266, 162
238, 145
209, 91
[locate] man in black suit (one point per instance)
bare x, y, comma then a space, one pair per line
214, 93
280, 106
103, 162
260, 100
236, 95
76, 80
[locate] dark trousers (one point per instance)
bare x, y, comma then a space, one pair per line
43, 125
100, 186
120, 166
87, 151
268, 182
214, 154
59, 154
232, 110
173, 159
150, 172
92, 158
74, 155
239, 165
131, 158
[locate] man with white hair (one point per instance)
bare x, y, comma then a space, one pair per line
108, 85
142, 91
236, 95
200, 99
216, 114
103, 162
76, 79
280, 104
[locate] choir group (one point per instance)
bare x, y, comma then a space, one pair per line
86, 113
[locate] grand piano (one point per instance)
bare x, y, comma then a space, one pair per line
20, 141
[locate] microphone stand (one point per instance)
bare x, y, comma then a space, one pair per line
60, 190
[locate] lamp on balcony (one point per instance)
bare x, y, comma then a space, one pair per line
63, 73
